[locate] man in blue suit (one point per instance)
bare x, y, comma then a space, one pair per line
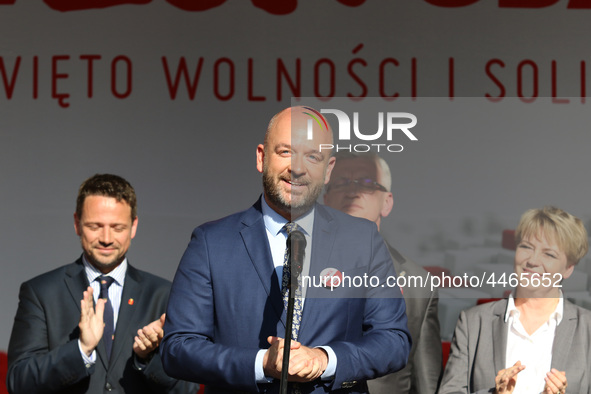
226, 315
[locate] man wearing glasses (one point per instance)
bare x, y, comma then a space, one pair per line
360, 186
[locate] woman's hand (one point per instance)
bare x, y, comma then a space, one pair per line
555, 382
507, 378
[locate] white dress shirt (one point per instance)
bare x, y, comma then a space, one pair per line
534, 351
115, 291
277, 238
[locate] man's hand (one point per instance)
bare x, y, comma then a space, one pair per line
273, 360
507, 378
555, 382
148, 338
91, 322
305, 364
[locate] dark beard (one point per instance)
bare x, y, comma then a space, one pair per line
108, 267
275, 198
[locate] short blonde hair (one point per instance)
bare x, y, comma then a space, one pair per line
566, 230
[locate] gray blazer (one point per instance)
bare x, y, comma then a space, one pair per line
473, 363
423, 371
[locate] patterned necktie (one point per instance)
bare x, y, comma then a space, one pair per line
108, 318
285, 281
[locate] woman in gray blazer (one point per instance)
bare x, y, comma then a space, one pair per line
535, 341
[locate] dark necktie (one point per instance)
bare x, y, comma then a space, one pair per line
285, 281
108, 318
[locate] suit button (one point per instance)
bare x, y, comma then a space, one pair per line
348, 385
108, 387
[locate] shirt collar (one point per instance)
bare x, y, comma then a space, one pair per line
557, 314
274, 222
118, 273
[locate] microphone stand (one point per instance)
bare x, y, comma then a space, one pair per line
289, 323
295, 255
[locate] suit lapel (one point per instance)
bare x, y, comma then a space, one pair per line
76, 281
132, 289
398, 261
257, 246
499, 335
323, 238
563, 337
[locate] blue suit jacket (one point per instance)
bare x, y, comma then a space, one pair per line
226, 300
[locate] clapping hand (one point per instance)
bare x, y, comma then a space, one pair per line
507, 378
91, 322
149, 337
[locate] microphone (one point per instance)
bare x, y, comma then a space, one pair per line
296, 245
297, 250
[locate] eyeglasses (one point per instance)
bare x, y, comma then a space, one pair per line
367, 185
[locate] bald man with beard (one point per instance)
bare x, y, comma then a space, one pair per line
226, 316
